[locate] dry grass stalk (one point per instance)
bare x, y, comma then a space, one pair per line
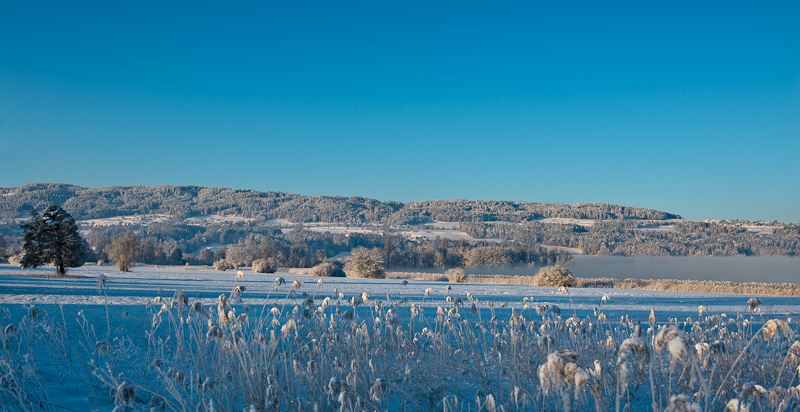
671, 285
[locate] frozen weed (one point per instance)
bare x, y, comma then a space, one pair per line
331, 353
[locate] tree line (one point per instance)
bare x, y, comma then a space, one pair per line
186, 201
628, 238
54, 238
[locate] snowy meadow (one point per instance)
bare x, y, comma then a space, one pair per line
187, 339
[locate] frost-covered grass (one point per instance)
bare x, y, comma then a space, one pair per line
325, 346
672, 285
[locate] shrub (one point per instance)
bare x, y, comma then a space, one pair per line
328, 269
366, 263
15, 259
456, 275
222, 265
554, 276
263, 266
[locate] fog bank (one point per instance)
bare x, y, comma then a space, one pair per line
771, 269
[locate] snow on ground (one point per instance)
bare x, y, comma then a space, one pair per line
277, 222
128, 295
444, 225
216, 219
145, 283
341, 229
126, 220
664, 228
766, 230
449, 230
572, 250
570, 221
431, 234
429, 231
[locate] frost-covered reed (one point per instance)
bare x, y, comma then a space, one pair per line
358, 352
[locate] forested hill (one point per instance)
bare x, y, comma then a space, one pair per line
179, 221
187, 201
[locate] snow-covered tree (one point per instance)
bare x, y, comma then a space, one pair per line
366, 263
124, 251
33, 253
52, 238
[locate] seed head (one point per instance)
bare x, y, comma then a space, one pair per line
125, 394
772, 326
753, 303
682, 403
288, 327
490, 404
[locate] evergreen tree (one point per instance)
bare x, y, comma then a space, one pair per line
52, 238
32, 241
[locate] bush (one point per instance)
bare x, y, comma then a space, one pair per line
222, 265
263, 266
328, 269
554, 276
456, 275
15, 259
366, 263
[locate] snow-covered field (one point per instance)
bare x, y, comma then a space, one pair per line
146, 282
430, 230
131, 342
128, 220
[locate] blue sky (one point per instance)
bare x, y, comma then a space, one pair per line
688, 107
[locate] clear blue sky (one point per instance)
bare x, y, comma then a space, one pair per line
688, 107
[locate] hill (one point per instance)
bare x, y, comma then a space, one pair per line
180, 221
187, 201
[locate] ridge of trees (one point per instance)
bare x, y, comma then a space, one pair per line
625, 238
619, 230
187, 201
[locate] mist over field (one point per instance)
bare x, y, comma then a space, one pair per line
769, 269
728, 268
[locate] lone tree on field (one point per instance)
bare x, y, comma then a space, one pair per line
365, 263
52, 238
554, 276
123, 251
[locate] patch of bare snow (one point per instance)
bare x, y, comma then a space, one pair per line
277, 222
764, 230
216, 219
571, 250
126, 220
570, 221
664, 228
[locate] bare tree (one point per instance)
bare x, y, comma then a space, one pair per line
124, 250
